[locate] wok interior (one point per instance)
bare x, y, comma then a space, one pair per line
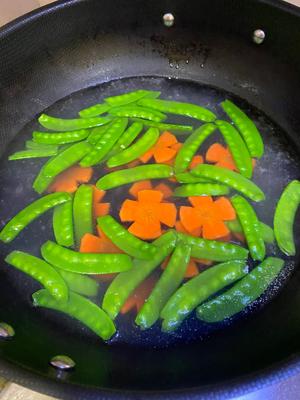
231, 67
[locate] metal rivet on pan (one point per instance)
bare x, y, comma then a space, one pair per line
259, 36
62, 362
168, 20
6, 331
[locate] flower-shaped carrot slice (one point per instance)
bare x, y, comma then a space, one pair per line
147, 213
208, 215
99, 208
164, 150
147, 185
70, 179
221, 156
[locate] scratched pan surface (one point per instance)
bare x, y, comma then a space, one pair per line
207, 56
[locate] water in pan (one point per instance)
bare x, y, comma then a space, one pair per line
279, 165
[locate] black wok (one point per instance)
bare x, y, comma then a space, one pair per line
47, 59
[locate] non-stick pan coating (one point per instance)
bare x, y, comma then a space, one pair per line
45, 60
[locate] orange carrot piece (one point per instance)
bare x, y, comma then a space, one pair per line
128, 210
192, 269
164, 189
136, 300
225, 209
214, 229
101, 209
138, 186
196, 160
201, 201
167, 139
147, 156
168, 214
163, 154
180, 228
90, 244
146, 231
150, 196
216, 152
69, 179
188, 220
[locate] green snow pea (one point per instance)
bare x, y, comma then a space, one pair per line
34, 153
128, 137
119, 178
242, 293
126, 282
198, 289
83, 212
41, 272
214, 250
175, 107
63, 224
124, 240
169, 281
285, 216
266, 231
81, 309
135, 150
105, 143
130, 97
246, 127
79, 283
187, 177
251, 227
165, 127
84, 263
94, 110
60, 137
60, 163
137, 112
201, 189
31, 145
62, 125
191, 146
96, 133
237, 148
30, 213
230, 178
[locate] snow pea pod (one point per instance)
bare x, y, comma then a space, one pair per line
267, 232
128, 137
230, 178
242, 293
105, 143
124, 240
214, 250
63, 125
187, 177
80, 308
198, 289
201, 189
246, 127
119, 178
96, 133
285, 216
191, 146
251, 228
130, 97
94, 110
164, 126
63, 224
59, 163
135, 150
137, 112
176, 107
79, 283
169, 281
84, 263
126, 282
237, 148
31, 145
60, 137
41, 272
83, 212
30, 213
34, 153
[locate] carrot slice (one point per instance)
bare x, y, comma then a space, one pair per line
128, 210
167, 139
164, 189
168, 214
225, 209
214, 229
150, 196
192, 269
69, 179
180, 228
163, 154
101, 209
189, 218
138, 186
90, 244
216, 152
146, 157
146, 231
136, 300
201, 201
196, 160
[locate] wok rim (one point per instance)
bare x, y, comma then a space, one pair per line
275, 373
